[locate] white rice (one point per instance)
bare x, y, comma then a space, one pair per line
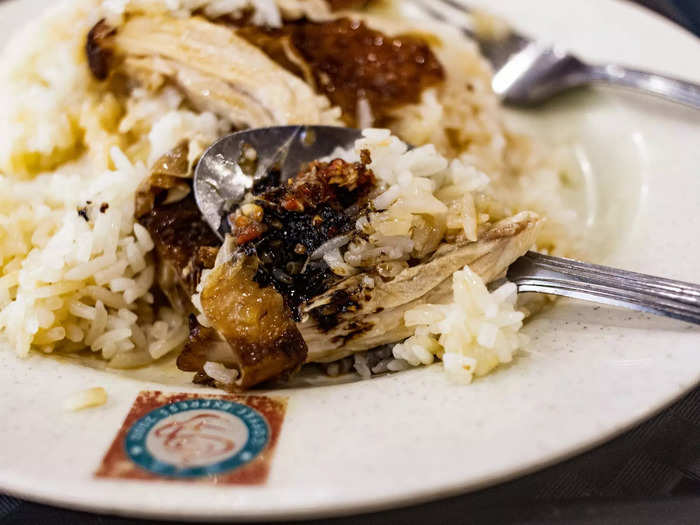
220, 373
268, 13
64, 278
414, 184
68, 283
91, 397
472, 335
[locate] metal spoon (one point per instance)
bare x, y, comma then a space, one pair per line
233, 164
534, 272
227, 171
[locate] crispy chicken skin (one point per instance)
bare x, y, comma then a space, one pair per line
251, 328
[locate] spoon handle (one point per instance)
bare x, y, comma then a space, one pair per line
675, 89
534, 272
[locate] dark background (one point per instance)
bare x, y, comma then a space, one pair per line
650, 475
684, 12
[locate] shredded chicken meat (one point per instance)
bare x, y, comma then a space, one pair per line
217, 70
257, 77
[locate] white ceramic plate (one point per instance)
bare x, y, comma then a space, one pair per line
413, 436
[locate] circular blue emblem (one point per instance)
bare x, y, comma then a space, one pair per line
197, 437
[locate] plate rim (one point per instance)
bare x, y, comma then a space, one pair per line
334, 510
378, 504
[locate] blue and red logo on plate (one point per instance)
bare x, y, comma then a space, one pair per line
229, 439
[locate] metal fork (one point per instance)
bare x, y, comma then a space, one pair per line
534, 272
527, 72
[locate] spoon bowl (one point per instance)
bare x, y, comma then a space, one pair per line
236, 163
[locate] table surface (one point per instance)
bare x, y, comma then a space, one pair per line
649, 475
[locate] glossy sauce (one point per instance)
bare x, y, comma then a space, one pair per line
350, 62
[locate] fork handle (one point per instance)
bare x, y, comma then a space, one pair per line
681, 91
535, 272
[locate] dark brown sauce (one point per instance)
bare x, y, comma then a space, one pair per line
296, 218
350, 62
328, 315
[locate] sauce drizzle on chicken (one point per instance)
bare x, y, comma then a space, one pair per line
384, 72
285, 225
